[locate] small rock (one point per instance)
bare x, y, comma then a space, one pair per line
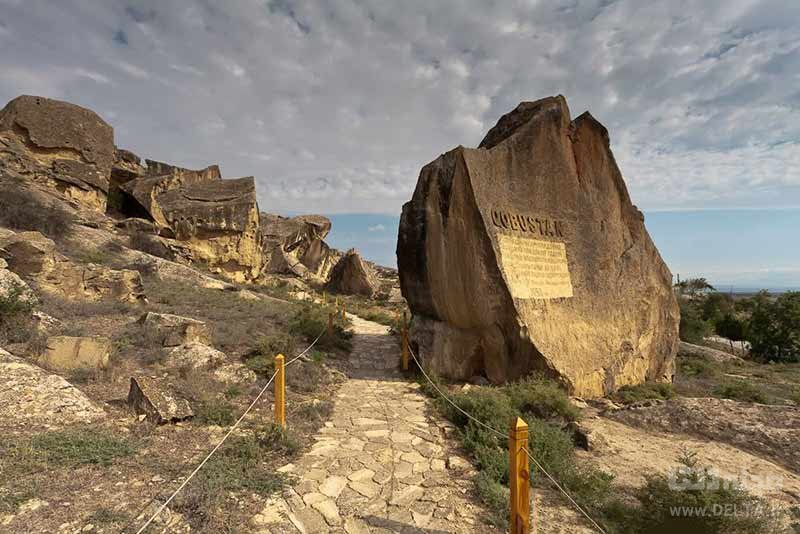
156, 402
457, 464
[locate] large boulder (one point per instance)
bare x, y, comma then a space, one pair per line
68, 147
157, 402
353, 276
296, 245
35, 257
66, 353
215, 221
29, 395
174, 330
527, 254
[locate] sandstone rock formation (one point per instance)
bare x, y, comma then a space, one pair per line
34, 257
173, 330
156, 402
63, 145
199, 357
214, 221
66, 353
31, 396
353, 276
527, 254
295, 245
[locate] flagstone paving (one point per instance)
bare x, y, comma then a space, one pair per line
382, 464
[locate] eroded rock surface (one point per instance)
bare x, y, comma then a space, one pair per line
67, 353
63, 145
295, 245
157, 402
527, 254
173, 330
35, 257
353, 276
30, 395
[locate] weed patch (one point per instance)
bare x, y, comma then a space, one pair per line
741, 391
67, 449
645, 391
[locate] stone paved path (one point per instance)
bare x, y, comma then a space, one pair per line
382, 464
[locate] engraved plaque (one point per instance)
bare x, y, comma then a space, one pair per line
535, 269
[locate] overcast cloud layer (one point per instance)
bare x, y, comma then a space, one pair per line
335, 105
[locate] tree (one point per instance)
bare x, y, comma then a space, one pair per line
774, 330
716, 306
692, 326
733, 328
693, 286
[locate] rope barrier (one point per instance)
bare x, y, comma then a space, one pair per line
227, 435
505, 436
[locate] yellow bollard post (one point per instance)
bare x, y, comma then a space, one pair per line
519, 478
337, 303
280, 391
405, 321
405, 349
330, 324
324, 297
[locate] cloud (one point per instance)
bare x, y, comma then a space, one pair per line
335, 106
377, 228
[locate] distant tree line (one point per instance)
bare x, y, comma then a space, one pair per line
769, 323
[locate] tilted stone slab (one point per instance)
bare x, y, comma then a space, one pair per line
157, 402
526, 254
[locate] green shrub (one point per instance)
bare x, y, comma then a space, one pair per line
311, 321
693, 501
216, 412
645, 391
261, 365
692, 326
741, 391
274, 344
549, 443
696, 367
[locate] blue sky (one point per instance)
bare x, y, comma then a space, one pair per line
335, 105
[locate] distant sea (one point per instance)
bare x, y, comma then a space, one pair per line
741, 251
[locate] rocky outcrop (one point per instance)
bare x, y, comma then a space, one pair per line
173, 330
353, 276
157, 402
35, 257
214, 221
66, 353
527, 254
65, 146
296, 245
199, 357
714, 355
12, 287
31, 396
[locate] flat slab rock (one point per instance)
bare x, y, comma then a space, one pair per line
157, 402
174, 330
31, 395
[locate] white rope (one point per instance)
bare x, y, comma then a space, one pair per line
235, 425
504, 436
567, 495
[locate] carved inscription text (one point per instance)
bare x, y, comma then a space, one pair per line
527, 224
535, 269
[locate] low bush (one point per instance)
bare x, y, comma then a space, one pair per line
547, 410
741, 391
238, 466
694, 501
645, 391
215, 412
696, 367
16, 323
22, 210
311, 321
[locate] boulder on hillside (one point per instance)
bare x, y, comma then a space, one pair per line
66, 353
213, 221
68, 147
199, 357
12, 286
35, 257
157, 402
31, 396
353, 276
173, 330
295, 245
527, 254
